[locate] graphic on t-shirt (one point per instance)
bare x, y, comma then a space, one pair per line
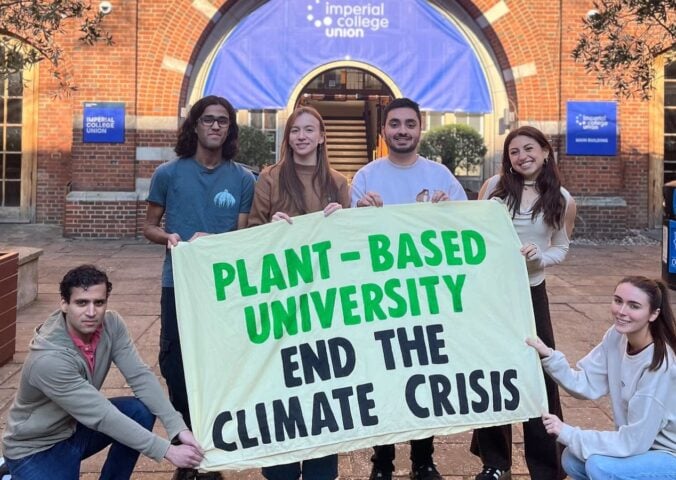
224, 199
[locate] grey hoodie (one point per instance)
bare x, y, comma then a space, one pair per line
57, 389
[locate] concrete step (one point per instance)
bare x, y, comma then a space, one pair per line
346, 133
346, 144
346, 128
349, 154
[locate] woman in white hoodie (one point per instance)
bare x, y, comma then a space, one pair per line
635, 366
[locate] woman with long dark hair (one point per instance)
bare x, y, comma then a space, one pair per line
301, 182
635, 366
543, 214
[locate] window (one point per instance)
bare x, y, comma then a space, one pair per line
266, 121
346, 81
472, 119
475, 120
11, 112
431, 120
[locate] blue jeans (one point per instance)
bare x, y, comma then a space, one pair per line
651, 465
324, 468
62, 460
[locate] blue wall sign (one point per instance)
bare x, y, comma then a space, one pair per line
671, 247
276, 46
103, 122
592, 128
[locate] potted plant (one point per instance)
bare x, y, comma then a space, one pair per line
455, 145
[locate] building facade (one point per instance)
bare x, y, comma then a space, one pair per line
492, 64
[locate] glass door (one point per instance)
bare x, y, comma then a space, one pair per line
16, 152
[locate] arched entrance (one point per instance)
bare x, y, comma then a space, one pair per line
263, 59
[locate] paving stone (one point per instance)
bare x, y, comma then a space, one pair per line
579, 290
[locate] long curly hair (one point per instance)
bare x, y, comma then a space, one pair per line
551, 201
186, 144
663, 328
291, 188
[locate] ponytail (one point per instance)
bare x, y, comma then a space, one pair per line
663, 328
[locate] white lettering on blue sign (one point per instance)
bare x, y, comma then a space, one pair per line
672, 246
99, 124
349, 21
591, 122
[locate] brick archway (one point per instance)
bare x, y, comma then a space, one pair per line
527, 53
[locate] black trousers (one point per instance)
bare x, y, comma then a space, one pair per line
421, 454
171, 362
542, 451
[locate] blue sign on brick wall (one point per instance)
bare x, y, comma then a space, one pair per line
592, 128
671, 246
103, 122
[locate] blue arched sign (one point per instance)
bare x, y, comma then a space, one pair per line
278, 44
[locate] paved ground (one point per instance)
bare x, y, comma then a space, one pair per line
579, 293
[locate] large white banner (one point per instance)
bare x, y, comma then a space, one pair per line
370, 326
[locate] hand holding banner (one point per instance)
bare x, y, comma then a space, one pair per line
370, 326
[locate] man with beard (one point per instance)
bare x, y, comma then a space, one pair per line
404, 177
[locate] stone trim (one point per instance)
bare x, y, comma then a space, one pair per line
493, 14
518, 72
102, 197
144, 154
206, 9
599, 201
176, 65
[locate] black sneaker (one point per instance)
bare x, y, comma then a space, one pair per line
209, 476
492, 473
378, 474
425, 472
184, 474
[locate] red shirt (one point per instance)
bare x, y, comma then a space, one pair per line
88, 349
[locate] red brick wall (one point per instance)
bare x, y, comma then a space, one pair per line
101, 219
9, 276
147, 31
105, 167
54, 144
601, 222
625, 175
140, 218
534, 31
106, 73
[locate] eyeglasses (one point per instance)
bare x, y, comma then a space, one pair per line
208, 121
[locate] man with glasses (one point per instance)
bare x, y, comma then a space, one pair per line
200, 193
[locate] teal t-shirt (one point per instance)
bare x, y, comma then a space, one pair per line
199, 199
